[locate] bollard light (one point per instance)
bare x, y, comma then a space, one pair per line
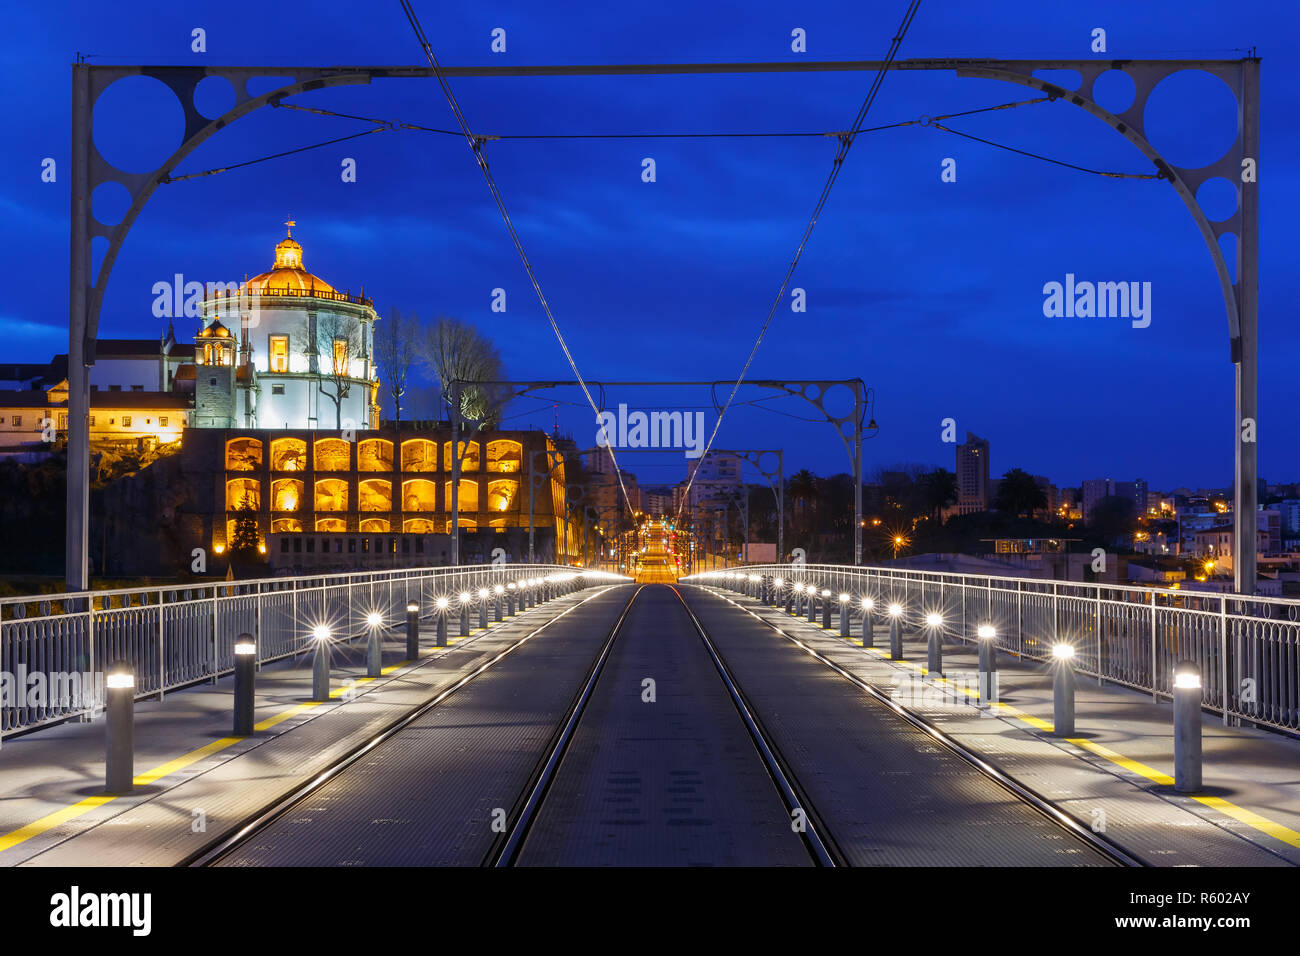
441, 604
119, 763
482, 607
374, 647
812, 603
895, 632
988, 665
320, 671
510, 598
498, 590
775, 592
934, 643
868, 626
465, 599
826, 609
1063, 689
1187, 727
844, 615
245, 676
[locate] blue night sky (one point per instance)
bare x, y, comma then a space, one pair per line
930, 291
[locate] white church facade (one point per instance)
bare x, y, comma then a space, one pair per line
286, 350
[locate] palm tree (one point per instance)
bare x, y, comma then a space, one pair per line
1019, 494
803, 492
938, 491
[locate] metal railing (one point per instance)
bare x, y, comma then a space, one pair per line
1247, 648
53, 646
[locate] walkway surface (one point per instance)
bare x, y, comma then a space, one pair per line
195, 780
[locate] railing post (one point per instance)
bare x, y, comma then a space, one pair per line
1020, 620
162, 678
215, 624
1101, 669
1154, 692
1223, 657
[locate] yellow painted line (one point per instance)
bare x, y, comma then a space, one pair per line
1133, 766
51, 820
1252, 819
37, 827
180, 763
286, 714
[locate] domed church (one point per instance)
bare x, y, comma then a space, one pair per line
286, 350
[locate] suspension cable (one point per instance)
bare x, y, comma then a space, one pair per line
476, 144
846, 143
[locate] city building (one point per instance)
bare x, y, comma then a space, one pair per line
286, 350
973, 488
383, 483
31, 422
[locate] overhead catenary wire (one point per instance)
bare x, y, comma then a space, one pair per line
400, 125
476, 144
846, 143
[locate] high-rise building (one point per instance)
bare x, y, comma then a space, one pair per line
1135, 491
972, 475
1093, 491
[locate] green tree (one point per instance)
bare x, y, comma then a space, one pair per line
1018, 494
1113, 517
802, 493
938, 491
245, 541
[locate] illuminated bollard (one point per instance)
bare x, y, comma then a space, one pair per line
320, 668
465, 598
441, 604
119, 764
988, 666
499, 590
1063, 689
482, 607
523, 595
844, 616
895, 632
868, 625
413, 631
374, 645
510, 598
774, 593
245, 678
826, 609
789, 598
1187, 727
812, 603
934, 644
798, 600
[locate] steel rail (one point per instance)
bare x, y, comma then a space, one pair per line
260, 819
505, 850
816, 835
1095, 841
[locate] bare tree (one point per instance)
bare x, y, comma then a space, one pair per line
395, 348
454, 351
339, 340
